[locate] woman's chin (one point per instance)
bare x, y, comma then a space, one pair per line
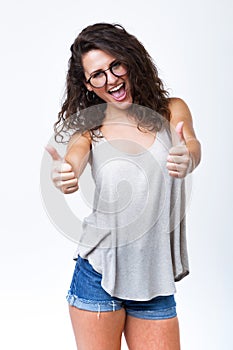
123, 105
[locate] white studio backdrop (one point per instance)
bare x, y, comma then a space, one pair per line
191, 43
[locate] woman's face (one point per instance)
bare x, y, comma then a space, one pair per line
117, 88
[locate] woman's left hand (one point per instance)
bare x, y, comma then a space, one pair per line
179, 160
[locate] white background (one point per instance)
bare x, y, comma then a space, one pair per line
191, 42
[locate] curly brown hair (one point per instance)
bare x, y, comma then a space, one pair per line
147, 89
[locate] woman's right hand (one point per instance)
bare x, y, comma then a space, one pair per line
62, 173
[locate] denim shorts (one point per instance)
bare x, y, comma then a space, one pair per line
86, 293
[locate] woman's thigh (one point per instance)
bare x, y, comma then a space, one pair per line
97, 318
146, 334
97, 331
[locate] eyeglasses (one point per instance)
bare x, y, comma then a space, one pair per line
99, 78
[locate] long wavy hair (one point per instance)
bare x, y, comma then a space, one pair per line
147, 89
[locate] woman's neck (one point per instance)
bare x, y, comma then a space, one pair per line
113, 114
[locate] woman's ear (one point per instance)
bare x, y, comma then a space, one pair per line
88, 86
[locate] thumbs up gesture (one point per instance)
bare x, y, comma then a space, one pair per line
62, 174
179, 161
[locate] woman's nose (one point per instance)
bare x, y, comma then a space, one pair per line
111, 78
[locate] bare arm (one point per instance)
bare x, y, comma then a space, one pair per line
78, 151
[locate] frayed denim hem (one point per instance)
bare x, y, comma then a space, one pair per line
92, 305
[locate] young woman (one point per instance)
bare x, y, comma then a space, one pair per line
133, 247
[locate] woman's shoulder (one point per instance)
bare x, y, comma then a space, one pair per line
176, 102
80, 139
179, 110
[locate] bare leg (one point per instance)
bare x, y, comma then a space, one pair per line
97, 333
152, 334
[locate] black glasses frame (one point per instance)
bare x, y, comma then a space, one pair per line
88, 81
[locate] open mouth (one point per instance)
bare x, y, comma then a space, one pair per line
118, 92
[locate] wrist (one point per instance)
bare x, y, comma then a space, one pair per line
191, 165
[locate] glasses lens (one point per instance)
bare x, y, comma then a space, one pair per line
118, 69
98, 79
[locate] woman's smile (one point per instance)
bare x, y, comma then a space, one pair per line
118, 92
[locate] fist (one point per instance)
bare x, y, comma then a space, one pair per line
62, 173
179, 161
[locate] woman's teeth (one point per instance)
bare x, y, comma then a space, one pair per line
116, 88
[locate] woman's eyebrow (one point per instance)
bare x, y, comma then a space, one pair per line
95, 71
102, 70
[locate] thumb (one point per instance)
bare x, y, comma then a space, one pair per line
53, 152
179, 130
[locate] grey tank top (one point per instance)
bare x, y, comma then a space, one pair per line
135, 236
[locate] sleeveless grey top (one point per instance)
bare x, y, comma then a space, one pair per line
135, 236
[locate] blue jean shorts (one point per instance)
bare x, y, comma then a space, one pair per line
86, 293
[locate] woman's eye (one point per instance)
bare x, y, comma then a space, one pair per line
116, 64
97, 75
